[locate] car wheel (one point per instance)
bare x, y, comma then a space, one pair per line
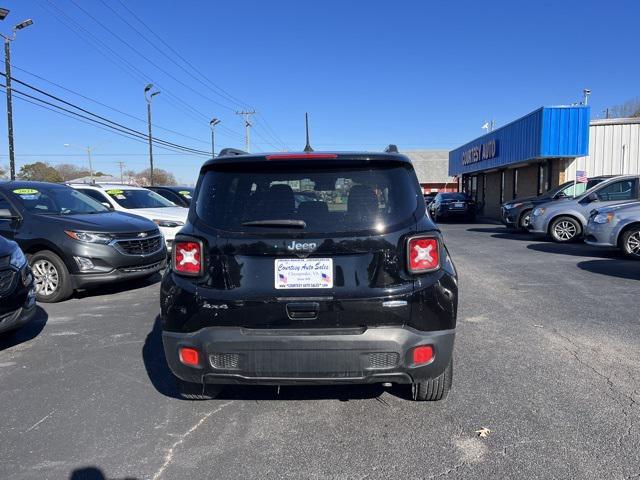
52, 280
565, 229
630, 242
197, 391
525, 220
435, 389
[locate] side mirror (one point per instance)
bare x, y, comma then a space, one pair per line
5, 214
559, 195
593, 197
108, 205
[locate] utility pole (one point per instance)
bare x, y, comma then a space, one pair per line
7, 70
148, 97
247, 126
212, 124
121, 165
88, 150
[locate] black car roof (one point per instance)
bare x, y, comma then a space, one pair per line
265, 157
14, 184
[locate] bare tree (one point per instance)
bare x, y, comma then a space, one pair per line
628, 109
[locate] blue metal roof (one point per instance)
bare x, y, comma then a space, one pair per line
548, 132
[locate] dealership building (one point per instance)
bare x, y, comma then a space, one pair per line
542, 150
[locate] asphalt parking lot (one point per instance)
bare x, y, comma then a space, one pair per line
547, 358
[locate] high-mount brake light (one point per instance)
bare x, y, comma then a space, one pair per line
300, 156
423, 254
187, 257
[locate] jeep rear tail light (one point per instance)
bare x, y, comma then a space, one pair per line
422, 354
189, 356
187, 257
423, 254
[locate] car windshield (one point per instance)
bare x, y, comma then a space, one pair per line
310, 198
134, 198
455, 196
57, 200
186, 192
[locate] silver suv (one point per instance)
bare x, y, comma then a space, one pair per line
566, 220
616, 226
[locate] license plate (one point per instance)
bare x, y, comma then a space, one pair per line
291, 273
458, 205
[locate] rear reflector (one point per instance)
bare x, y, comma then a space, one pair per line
422, 354
187, 258
300, 156
423, 254
189, 356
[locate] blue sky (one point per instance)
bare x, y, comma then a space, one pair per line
421, 74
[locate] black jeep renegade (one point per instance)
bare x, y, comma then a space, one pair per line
309, 268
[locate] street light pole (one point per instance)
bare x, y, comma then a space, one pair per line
7, 72
88, 149
212, 124
149, 96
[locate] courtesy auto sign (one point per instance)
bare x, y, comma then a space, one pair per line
484, 151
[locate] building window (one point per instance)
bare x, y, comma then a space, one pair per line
501, 187
515, 182
474, 188
541, 181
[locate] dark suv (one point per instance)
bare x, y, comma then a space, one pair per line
73, 241
353, 286
17, 295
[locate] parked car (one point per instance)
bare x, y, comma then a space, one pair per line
139, 201
453, 205
262, 292
516, 213
566, 221
428, 198
17, 293
74, 242
616, 226
181, 196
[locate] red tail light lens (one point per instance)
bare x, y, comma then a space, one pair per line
189, 356
423, 254
187, 258
422, 354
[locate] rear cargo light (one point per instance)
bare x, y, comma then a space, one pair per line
189, 356
187, 257
300, 156
423, 254
422, 354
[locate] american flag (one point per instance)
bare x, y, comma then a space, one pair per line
581, 176
326, 278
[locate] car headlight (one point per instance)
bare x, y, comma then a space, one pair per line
538, 211
17, 259
89, 237
603, 217
168, 223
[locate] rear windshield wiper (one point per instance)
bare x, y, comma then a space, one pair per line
276, 223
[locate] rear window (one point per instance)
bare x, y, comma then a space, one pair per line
320, 198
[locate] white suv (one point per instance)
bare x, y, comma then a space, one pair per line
139, 201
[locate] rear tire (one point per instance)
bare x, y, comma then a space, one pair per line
52, 279
630, 243
565, 230
197, 391
436, 388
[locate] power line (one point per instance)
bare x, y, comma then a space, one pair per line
119, 125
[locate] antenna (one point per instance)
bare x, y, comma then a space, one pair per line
307, 147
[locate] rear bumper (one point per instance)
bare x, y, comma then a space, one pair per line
321, 356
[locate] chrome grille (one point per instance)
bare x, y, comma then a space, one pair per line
225, 361
383, 359
140, 246
6, 279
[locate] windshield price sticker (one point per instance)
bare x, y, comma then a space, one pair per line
26, 191
294, 273
115, 192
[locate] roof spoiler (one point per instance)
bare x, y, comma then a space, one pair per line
391, 148
228, 152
